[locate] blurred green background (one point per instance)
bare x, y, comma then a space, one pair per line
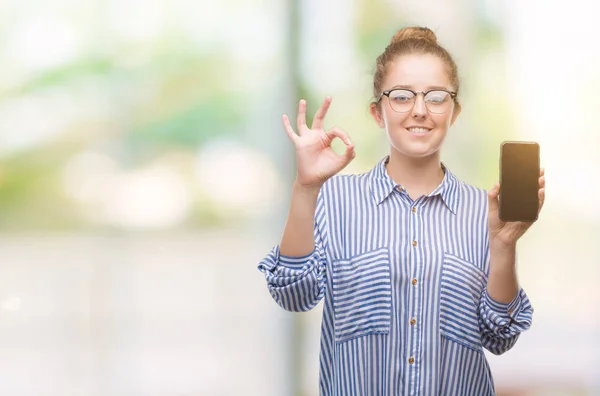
104, 103
144, 171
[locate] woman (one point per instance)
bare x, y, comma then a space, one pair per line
416, 269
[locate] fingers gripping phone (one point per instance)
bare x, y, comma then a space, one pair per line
519, 174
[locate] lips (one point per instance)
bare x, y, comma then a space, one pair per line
418, 131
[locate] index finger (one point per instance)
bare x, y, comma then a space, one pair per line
320, 116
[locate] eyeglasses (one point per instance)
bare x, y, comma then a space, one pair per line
402, 100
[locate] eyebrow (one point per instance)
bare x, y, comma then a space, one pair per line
427, 89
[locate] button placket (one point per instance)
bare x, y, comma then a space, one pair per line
414, 344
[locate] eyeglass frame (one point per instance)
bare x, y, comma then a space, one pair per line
416, 93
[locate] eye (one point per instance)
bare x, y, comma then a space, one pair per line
437, 96
401, 96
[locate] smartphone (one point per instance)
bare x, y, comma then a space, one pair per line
519, 186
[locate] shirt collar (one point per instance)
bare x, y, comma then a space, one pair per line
382, 185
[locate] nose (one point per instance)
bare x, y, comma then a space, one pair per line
419, 110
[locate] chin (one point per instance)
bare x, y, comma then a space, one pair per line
416, 151
417, 154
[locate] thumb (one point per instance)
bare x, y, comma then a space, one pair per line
493, 197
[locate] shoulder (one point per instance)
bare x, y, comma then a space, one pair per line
346, 186
473, 190
351, 181
471, 195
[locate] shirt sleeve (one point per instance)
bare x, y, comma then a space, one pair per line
298, 283
502, 323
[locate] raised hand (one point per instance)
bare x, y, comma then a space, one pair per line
315, 159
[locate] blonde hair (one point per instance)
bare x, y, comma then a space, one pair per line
413, 40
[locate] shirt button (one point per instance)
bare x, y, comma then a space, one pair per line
414, 209
411, 360
414, 243
413, 321
414, 281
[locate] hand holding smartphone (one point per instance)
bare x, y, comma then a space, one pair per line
519, 186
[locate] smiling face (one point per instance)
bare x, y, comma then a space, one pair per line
418, 132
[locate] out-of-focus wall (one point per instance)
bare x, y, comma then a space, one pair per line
161, 314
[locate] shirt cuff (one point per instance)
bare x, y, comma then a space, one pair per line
507, 311
294, 262
277, 263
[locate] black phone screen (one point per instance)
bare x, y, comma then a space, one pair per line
519, 173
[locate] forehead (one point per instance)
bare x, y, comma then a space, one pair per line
417, 71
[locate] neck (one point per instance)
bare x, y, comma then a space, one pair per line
419, 176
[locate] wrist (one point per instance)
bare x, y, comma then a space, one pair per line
305, 190
503, 246
502, 257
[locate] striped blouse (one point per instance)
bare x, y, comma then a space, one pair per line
404, 286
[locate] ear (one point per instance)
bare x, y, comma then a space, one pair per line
377, 115
455, 113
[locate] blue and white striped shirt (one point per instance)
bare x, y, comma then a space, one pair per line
404, 285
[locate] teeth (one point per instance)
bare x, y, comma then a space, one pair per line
418, 130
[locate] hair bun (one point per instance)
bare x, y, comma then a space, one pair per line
418, 33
